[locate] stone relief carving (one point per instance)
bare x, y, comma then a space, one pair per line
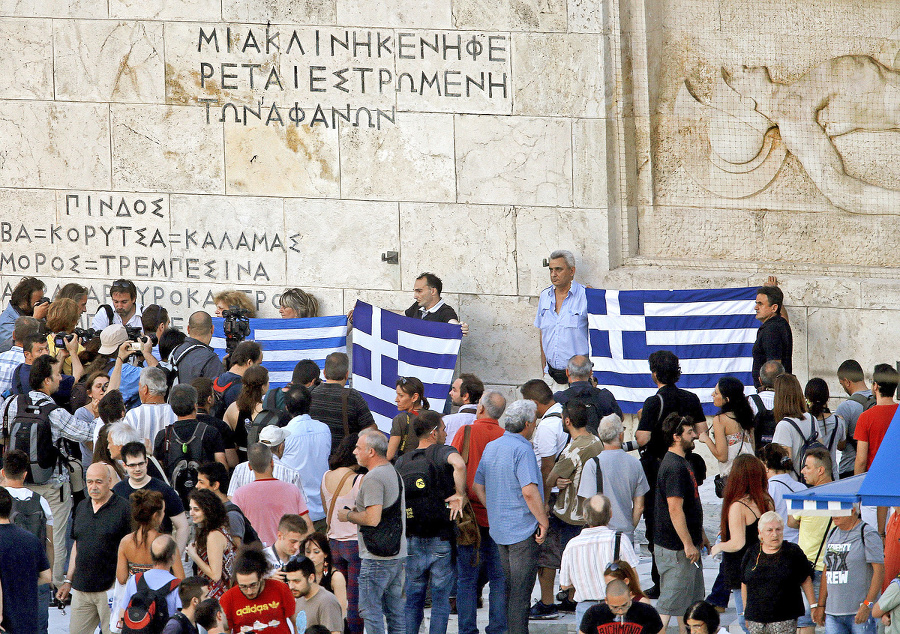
750, 123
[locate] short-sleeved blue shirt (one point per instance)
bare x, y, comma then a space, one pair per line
508, 464
565, 334
22, 559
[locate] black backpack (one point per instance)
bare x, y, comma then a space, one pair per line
250, 535
585, 396
30, 431
426, 512
265, 418
763, 423
384, 539
147, 610
183, 457
29, 515
812, 442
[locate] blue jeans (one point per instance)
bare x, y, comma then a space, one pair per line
846, 624
381, 583
581, 607
467, 586
43, 608
428, 558
739, 606
806, 619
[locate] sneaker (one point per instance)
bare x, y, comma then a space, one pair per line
539, 611
566, 605
652, 593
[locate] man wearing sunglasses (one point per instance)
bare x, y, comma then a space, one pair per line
124, 310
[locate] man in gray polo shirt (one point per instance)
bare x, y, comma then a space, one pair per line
853, 381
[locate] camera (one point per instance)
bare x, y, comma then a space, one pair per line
86, 334
42, 300
139, 342
134, 332
236, 326
60, 338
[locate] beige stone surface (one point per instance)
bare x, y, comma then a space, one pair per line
590, 162
26, 247
250, 248
465, 245
109, 61
280, 11
54, 8
412, 160
502, 346
282, 160
419, 14
558, 74
340, 242
514, 160
199, 10
541, 230
27, 74
513, 15
167, 148
397, 301
50, 144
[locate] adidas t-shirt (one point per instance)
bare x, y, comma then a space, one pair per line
268, 612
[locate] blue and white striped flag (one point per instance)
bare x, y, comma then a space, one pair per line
711, 331
387, 346
287, 341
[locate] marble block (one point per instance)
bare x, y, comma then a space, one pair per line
27, 74
512, 15
558, 74
396, 301
26, 244
166, 147
282, 160
345, 236
54, 145
412, 160
467, 246
514, 160
196, 10
109, 61
55, 8
590, 162
419, 14
280, 11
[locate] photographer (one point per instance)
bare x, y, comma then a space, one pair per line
155, 321
111, 349
62, 318
195, 358
124, 309
28, 299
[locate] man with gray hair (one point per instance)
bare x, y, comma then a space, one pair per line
617, 475
599, 401
763, 402
471, 441
153, 414
380, 512
508, 483
586, 556
562, 319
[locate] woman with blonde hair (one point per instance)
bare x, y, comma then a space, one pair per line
295, 302
62, 317
226, 299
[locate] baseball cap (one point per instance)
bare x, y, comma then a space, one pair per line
273, 435
111, 338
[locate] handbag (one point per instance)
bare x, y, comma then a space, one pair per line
467, 531
720, 481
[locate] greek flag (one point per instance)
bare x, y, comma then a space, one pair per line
287, 341
387, 346
711, 331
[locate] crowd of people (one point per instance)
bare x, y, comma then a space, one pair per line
153, 486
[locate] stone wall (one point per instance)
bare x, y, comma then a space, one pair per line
201, 145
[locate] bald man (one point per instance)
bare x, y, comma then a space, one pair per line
163, 552
195, 357
99, 524
602, 618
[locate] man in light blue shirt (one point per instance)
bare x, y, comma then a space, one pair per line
562, 319
509, 484
306, 450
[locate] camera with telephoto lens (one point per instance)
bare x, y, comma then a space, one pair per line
60, 338
236, 326
86, 334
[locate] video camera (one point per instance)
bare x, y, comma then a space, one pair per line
236, 326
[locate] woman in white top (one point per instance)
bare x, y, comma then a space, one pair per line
831, 427
778, 471
732, 426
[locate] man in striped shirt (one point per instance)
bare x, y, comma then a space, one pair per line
12, 358
154, 414
586, 556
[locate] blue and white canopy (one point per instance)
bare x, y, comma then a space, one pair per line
833, 499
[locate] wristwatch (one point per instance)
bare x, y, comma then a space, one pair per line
813, 606
867, 603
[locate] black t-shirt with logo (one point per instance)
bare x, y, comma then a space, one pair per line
641, 618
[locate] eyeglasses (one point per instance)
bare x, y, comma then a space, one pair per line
121, 285
619, 608
613, 567
248, 586
135, 465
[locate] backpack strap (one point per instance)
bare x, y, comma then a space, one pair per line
269, 402
760, 406
467, 440
109, 312
599, 476
825, 537
662, 406
812, 436
184, 353
617, 546
345, 414
5, 430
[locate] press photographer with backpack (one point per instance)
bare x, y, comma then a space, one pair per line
434, 477
48, 474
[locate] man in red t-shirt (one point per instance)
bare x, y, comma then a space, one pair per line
257, 604
484, 429
872, 424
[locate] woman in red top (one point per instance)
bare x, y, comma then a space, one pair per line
410, 400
